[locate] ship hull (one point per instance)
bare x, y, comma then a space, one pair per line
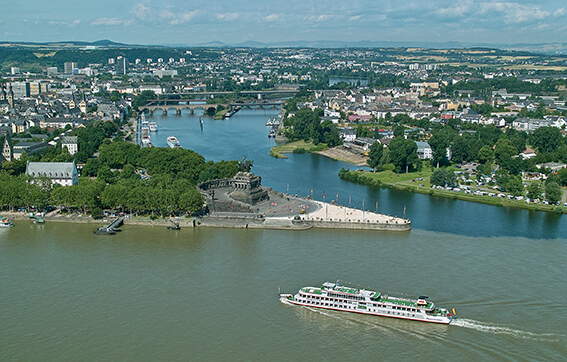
288, 299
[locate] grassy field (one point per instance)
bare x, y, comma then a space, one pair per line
420, 182
288, 147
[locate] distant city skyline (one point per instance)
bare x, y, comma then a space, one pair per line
197, 22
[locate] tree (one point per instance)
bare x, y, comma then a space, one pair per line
375, 154
398, 131
553, 192
142, 99
535, 190
504, 150
439, 143
546, 139
562, 176
403, 153
439, 177
515, 186
442, 177
485, 155
460, 150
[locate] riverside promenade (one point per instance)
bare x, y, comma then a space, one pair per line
281, 211
285, 211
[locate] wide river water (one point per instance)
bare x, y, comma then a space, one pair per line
211, 294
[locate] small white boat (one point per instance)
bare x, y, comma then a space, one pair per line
153, 126
5, 223
172, 142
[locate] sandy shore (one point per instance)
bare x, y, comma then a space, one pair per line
342, 154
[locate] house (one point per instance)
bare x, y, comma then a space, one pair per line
424, 151
71, 143
109, 111
347, 134
553, 166
29, 147
359, 118
62, 173
58, 123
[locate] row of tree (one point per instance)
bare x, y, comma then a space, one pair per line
123, 176
306, 124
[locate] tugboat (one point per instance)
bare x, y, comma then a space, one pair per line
349, 299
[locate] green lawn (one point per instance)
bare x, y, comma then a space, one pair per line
392, 178
410, 182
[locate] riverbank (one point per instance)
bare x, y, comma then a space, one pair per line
420, 182
281, 211
338, 153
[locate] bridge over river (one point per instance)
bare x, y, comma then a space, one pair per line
177, 105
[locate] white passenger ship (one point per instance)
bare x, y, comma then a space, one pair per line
344, 298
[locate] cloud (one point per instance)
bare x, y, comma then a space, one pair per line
228, 16
559, 12
514, 12
272, 17
141, 11
71, 24
110, 22
456, 9
355, 17
162, 14
181, 18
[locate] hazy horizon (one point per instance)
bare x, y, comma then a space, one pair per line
176, 22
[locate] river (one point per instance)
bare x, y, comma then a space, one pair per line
211, 294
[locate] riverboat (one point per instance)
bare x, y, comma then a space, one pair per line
153, 126
172, 142
349, 299
5, 223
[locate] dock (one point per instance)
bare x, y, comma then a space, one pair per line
111, 228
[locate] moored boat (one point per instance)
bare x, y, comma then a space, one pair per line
5, 222
172, 142
153, 126
105, 231
349, 299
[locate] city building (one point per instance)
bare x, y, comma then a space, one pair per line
62, 173
424, 151
52, 71
71, 143
122, 65
68, 67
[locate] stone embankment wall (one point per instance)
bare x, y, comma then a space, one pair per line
244, 221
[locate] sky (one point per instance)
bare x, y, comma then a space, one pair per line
193, 22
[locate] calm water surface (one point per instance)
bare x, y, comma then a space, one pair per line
211, 294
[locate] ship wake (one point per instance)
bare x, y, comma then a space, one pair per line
496, 329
